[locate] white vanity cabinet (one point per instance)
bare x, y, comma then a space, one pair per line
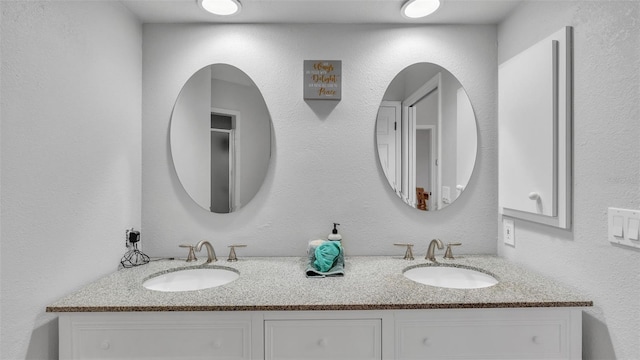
518, 333
336, 339
489, 334
155, 335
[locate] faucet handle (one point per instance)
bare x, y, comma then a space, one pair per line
448, 254
408, 255
192, 255
232, 252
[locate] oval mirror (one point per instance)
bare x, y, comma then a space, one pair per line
426, 136
220, 138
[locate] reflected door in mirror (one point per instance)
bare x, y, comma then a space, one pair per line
222, 163
388, 140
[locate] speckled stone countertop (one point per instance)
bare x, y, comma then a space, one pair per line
279, 283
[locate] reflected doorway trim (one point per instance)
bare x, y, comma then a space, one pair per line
235, 173
409, 123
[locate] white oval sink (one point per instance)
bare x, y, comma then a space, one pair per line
450, 277
191, 279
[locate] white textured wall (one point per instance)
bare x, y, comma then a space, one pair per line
325, 166
606, 166
70, 108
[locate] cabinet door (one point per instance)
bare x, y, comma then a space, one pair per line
323, 339
535, 114
115, 337
528, 130
484, 335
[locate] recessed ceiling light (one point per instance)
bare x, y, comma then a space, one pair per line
414, 9
221, 7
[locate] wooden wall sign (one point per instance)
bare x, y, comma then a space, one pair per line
322, 79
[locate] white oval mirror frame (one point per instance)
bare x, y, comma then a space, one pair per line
221, 138
426, 136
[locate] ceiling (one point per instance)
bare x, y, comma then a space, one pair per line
323, 11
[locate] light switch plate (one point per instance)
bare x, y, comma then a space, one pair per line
633, 228
617, 227
623, 227
509, 231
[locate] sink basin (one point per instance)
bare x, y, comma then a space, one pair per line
191, 279
450, 277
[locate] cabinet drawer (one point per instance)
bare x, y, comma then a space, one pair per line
161, 340
351, 339
487, 339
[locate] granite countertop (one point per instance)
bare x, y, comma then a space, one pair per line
279, 283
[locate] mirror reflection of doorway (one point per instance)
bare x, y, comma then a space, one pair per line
425, 160
222, 163
423, 124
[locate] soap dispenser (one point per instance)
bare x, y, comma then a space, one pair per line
335, 236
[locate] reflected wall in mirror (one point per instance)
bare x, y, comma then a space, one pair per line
221, 138
426, 136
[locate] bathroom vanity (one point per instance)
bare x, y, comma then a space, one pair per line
272, 311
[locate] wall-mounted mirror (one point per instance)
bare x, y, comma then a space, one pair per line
426, 136
220, 137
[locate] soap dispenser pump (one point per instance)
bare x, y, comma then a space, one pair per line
335, 236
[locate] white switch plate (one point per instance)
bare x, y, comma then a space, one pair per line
509, 231
617, 226
628, 220
446, 195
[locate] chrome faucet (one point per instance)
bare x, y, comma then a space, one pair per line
192, 255
408, 255
211, 254
430, 251
232, 252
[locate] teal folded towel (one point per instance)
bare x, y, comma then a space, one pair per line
326, 255
338, 265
